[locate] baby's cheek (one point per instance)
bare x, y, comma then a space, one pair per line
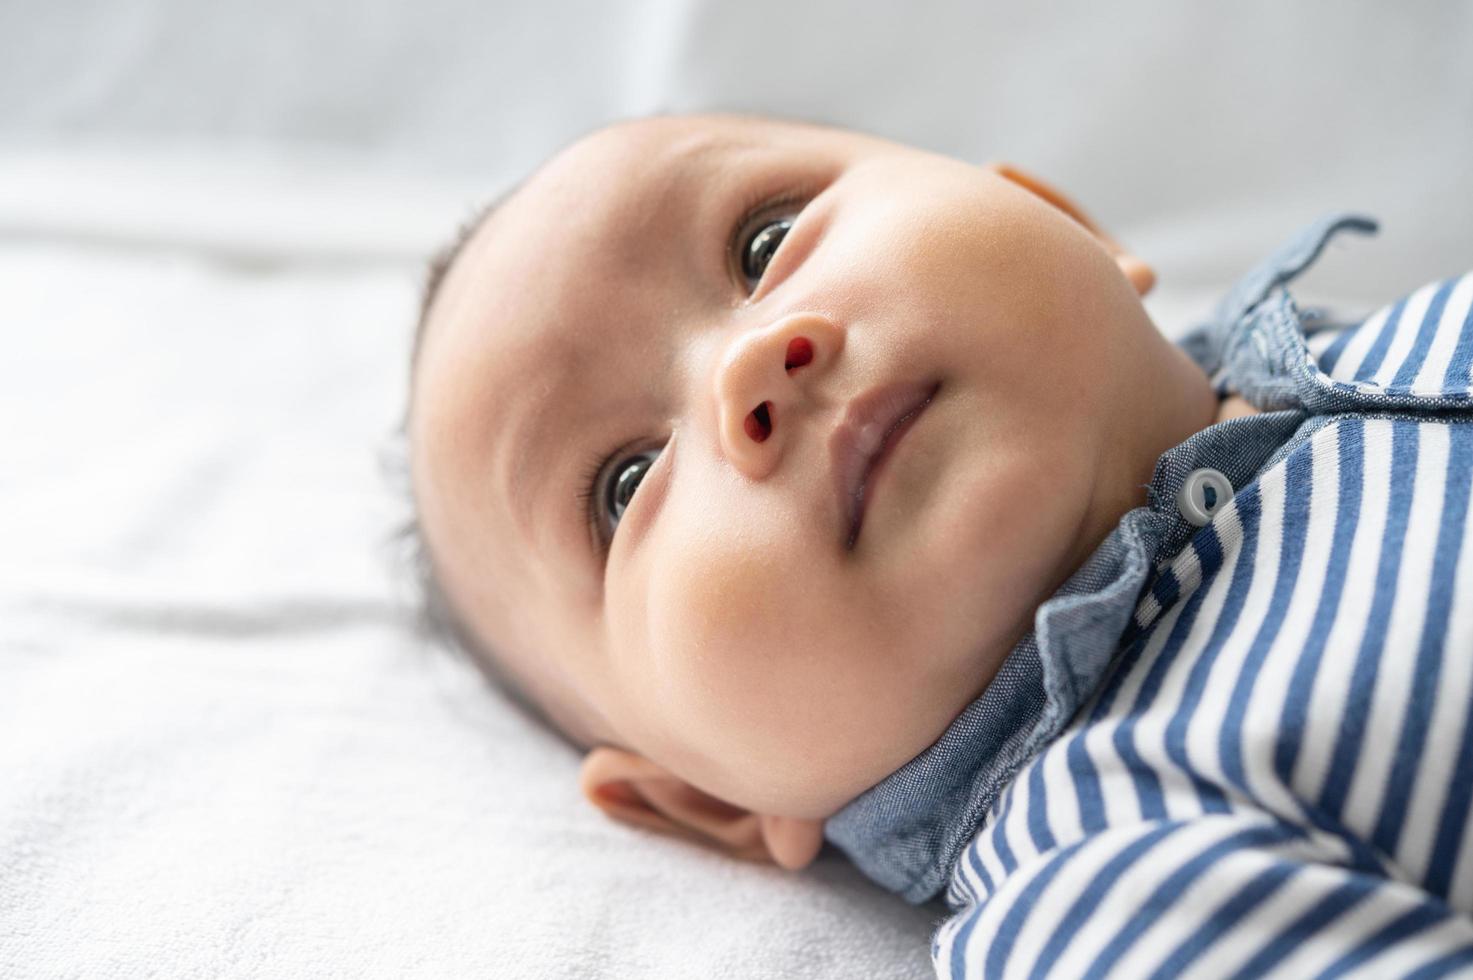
741, 676
719, 608
744, 624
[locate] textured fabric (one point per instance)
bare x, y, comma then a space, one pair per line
1239, 711
1276, 776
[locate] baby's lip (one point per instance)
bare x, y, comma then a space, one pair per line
862, 437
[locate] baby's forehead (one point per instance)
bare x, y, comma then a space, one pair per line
642, 166
622, 178
650, 148
608, 210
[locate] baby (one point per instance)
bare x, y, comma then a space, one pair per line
1151, 655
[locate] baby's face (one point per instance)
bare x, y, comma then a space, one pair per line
791, 605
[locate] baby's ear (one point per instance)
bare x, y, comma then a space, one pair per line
631, 788
1141, 276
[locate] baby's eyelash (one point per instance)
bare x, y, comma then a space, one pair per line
588, 483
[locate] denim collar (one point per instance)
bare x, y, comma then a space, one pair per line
907, 831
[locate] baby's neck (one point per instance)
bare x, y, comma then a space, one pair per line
1178, 404
1150, 419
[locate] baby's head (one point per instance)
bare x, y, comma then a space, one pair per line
878, 405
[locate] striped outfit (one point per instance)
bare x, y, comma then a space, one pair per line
1243, 748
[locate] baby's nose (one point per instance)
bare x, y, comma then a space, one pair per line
765, 383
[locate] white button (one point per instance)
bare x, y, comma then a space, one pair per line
1203, 493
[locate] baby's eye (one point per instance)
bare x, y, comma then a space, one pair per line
624, 479
758, 249
758, 234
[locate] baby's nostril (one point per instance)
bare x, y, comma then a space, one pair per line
800, 352
759, 422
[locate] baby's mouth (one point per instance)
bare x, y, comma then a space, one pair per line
866, 436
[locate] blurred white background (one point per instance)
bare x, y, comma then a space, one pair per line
225, 749
1161, 118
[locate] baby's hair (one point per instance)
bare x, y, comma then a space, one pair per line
436, 615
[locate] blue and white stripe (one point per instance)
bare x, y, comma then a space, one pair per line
1420, 346
1277, 778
